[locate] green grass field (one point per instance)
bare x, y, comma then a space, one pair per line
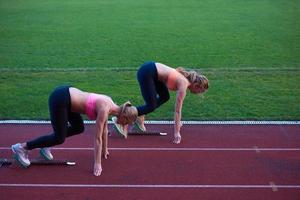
249, 50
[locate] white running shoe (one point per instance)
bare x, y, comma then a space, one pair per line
119, 128
46, 153
20, 155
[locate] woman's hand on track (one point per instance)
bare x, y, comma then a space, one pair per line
177, 138
97, 169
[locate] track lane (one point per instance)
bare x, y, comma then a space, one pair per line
201, 168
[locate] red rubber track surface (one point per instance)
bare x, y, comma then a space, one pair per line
212, 162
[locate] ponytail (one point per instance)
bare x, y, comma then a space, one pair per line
128, 112
194, 77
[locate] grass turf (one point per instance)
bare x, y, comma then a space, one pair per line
248, 49
118, 33
233, 94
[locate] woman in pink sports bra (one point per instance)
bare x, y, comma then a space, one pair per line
155, 80
65, 105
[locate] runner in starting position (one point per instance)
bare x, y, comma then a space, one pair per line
155, 80
66, 104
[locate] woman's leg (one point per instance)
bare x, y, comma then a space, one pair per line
147, 77
59, 106
163, 93
161, 97
60, 126
76, 125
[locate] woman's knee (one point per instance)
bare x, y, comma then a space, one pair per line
151, 107
76, 126
59, 140
74, 130
166, 98
79, 129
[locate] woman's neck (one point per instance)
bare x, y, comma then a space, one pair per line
114, 110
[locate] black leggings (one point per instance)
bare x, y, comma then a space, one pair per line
154, 92
64, 122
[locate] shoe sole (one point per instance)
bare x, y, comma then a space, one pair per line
17, 158
118, 131
45, 156
115, 127
137, 126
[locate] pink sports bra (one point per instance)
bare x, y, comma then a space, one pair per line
90, 106
172, 78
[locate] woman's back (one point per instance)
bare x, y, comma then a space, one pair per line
79, 99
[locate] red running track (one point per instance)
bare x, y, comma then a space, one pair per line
212, 162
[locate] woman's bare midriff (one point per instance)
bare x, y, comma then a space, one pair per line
163, 71
78, 99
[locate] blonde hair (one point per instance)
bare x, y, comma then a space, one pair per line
194, 77
128, 113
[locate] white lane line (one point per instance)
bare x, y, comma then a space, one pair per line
148, 186
171, 149
163, 122
130, 68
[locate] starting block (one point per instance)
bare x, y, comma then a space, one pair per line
134, 131
5, 162
147, 133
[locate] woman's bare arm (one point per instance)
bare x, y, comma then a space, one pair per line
105, 141
181, 93
98, 142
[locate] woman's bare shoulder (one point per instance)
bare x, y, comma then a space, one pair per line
162, 66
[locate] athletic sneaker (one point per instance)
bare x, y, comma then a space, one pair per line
46, 153
139, 124
119, 128
20, 155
